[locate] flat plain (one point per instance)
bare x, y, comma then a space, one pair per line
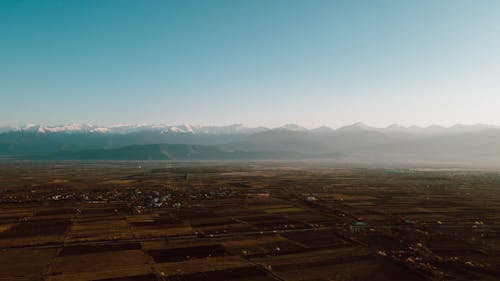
138, 221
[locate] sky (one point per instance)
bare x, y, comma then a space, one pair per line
255, 62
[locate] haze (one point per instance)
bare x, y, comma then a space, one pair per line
260, 63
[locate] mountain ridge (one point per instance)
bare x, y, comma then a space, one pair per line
239, 128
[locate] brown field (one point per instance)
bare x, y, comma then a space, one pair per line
114, 221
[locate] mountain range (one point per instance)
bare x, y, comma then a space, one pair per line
469, 145
236, 128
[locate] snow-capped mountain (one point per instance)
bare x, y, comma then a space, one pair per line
239, 129
126, 128
70, 128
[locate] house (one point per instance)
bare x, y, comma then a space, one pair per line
311, 198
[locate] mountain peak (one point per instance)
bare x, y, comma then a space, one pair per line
358, 126
292, 127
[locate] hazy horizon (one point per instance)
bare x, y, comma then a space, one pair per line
258, 63
359, 123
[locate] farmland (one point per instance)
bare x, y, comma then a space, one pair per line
138, 221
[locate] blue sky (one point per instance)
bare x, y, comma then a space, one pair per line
253, 62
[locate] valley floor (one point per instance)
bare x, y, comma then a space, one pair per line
119, 221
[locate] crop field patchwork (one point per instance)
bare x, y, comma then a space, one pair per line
115, 222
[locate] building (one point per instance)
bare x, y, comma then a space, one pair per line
311, 198
359, 226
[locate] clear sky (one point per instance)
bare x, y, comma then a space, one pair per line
256, 62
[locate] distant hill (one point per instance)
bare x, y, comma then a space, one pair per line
167, 152
19, 143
